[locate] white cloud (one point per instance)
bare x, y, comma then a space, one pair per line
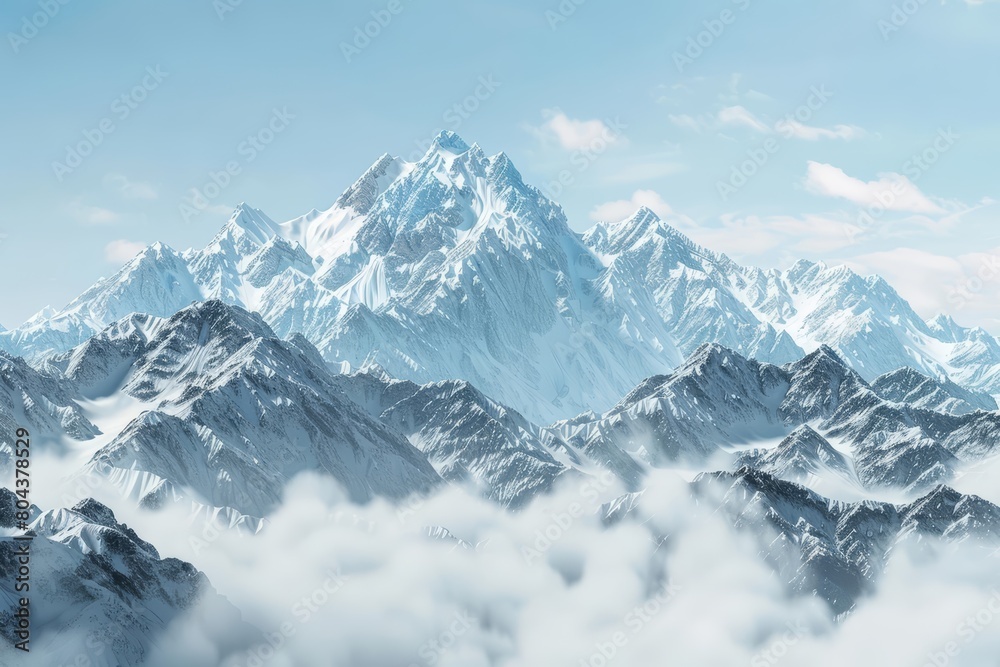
622, 209
755, 239
741, 116
687, 122
573, 134
130, 189
396, 595
122, 250
892, 192
966, 287
395, 592
93, 215
399, 594
793, 129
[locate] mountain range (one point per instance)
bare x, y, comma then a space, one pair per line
442, 324
452, 267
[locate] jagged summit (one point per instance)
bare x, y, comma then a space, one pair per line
947, 328
842, 548
823, 356
800, 456
214, 317
450, 141
907, 385
254, 222
243, 412
642, 226
453, 267
96, 512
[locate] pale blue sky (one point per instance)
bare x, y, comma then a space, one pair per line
547, 86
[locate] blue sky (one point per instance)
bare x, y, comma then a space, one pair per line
629, 103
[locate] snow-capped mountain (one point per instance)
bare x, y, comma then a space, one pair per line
802, 455
468, 436
701, 296
906, 385
465, 435
452, 267
828, 548
842, 549
225, 414
98, 591
719, 400
41, 403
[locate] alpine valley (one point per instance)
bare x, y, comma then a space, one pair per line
441, 326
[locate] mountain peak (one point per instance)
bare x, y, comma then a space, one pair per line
646, 213
642, 226
253, 222
215, 312
824, 353
96, 513
154, 255
713, 354
940, 497
905, 374
802, 268
46, 313
362, 194
946, 328
450, 142
643, 219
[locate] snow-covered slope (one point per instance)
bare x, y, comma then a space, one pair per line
470, 437
467, 436
701, 296
99, 594
719, 400
803, 455
40, 403
840, 550
906, 385
452, 267
232, 413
